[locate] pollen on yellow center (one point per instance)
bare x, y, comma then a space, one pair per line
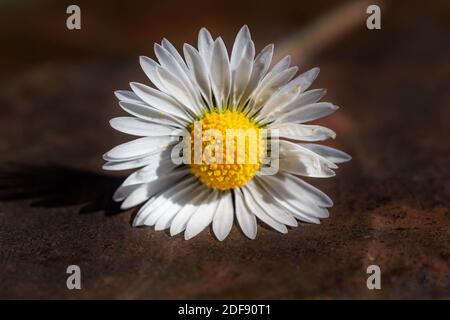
227, 149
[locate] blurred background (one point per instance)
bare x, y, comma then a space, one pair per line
391, 201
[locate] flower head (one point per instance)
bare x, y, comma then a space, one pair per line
221, 138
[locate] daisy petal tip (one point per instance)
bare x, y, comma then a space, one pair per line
347, 157
187, 236
142, 59
137, 222
220, 235
251, 236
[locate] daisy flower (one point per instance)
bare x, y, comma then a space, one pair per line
195, 103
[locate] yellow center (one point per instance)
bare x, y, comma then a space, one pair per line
227, 149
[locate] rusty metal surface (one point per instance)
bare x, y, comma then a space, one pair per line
391, 201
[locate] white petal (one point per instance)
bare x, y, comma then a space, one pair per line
169, 63
138, 148
124, 191
174, 52
262, 200
278, 100
157, 206
268, 87
299, 160
199, 71
202, 217
173, 202
151, 114
304, 190
139, 127
149, 66
331, 154
246, 219
309, 97
155, 157
304, 211
177, 202
127, 96
281, 65
241, 75
156, 186
303, 99
136, 197
286, 187
223, 218
240, 43
305, 80
220, 73
308, 113
205, 45
260, 67
151, 172
303, 132
178, 90
253, 207
161, 101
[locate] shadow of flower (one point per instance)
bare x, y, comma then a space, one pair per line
55, 186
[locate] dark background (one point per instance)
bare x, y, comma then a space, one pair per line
391, 201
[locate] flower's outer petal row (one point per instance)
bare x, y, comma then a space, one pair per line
207, 79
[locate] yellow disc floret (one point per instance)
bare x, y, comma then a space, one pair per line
227, 149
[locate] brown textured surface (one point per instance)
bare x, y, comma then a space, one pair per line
391, 201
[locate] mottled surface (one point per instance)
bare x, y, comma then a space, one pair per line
391, 201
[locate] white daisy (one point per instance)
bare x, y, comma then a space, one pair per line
208, 90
